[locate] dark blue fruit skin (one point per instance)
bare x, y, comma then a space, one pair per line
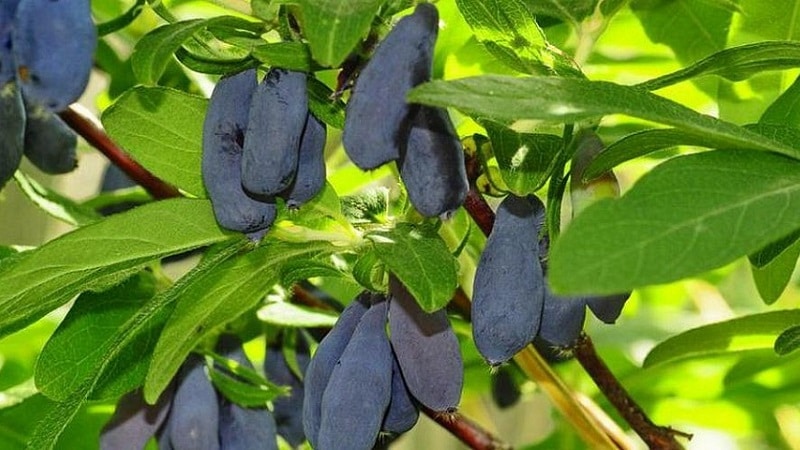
12, 123
378, 116
402, 413
509, 287
194, 417
278, 114
432, 165
223, 131
8, 9
505, 391
562, 318
54, 44
426, 349
287, 410
608, 307
360, 387
245, 428
321, 365
134, 421
50, 144
242, 428
310, 176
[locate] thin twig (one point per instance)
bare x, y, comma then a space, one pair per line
86, 126
655, 436
467, 431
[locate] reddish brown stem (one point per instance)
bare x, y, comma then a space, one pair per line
98, 139
467, 431
655, 436
480, 211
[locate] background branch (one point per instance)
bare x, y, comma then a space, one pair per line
88, 128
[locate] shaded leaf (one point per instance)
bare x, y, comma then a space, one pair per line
162, 129
561, 100
334, 27
735, 64
788, 341
212, 299
688, 215
526, 160
753, 332
420, 259
83, 336
100, 255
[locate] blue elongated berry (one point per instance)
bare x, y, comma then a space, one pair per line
427, 351
509, 287
223, 134
287, 410
50, 144
402, 413
324, 360
278, 112
310, 176
608, 307
134, 421
12, 121
359, 388
378, 116
8, 10
432, 164
562, 318
194, 417
53, 45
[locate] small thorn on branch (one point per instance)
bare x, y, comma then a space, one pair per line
85, 125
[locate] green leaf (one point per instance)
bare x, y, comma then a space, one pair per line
56, 420
210, 300
769, 252
691, 28
689, 215
752, 332
154, 51
291, 315
162, 129
82, 339
772, 278
242, 385
735, 64
572, 11
562, 100
122, 20
788, 341
785, 109
321, 104
288, 55
419, 258
53, 203
508, 30
526, 160
334, 27
100, 255
215, 66
643, 143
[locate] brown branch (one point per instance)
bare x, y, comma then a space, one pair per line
655, 436
467, 431
97, 138
480, 211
